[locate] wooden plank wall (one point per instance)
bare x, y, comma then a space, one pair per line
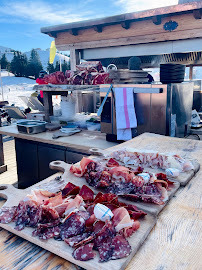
139, 32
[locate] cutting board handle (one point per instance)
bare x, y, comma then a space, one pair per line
60, 166
96, 152
7, 191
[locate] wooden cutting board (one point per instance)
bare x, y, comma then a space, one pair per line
183, 178
60, 248
153, 209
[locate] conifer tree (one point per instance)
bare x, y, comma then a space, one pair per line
57, 66
4, 62
19, 64
65, 66
50, 68
34, 65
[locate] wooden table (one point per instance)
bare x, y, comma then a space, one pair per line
51, 90
174, 243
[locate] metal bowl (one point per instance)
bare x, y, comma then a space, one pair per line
31, 126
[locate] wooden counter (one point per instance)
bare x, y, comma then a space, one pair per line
174, 243
35, 152
82, 141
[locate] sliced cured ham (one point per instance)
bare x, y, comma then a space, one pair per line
83, 166
154, 160
112, 163
86, 193
121, 219
134, 212
61, 208
128, 231
38, 197
70, 189
74, 204
56, 200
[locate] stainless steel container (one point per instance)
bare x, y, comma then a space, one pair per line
160, 108
31, 126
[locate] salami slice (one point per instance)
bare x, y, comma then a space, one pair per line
49, 233
22, 219
85, 241
121, 247
34, 214
107, 231
46, 233
72, 241
106, 250
72, 226
42, 228
84, 214
84, 253
7, 214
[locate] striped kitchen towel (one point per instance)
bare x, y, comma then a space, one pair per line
125, 113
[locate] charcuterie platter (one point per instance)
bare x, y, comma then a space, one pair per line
151, 208
20, 198
83, 216
147, 179
183, 178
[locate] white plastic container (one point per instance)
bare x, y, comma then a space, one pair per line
68, 105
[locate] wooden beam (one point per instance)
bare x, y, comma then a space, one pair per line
191, 72
197, 14
114, 42
74, 32
156, 19
98, 28
74, 58
53, 34
125, 25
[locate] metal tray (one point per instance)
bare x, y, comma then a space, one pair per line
31, 126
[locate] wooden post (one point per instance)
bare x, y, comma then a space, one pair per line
48, 105
74, 58
191, 72
3, 167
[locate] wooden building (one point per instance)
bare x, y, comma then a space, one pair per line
165, 31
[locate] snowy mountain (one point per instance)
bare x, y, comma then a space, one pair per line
43, 55
4, 49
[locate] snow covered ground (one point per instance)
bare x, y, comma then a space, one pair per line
13, 87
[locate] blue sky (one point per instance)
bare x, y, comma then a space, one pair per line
20, 21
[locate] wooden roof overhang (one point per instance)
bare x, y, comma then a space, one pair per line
131, 28
140, 33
